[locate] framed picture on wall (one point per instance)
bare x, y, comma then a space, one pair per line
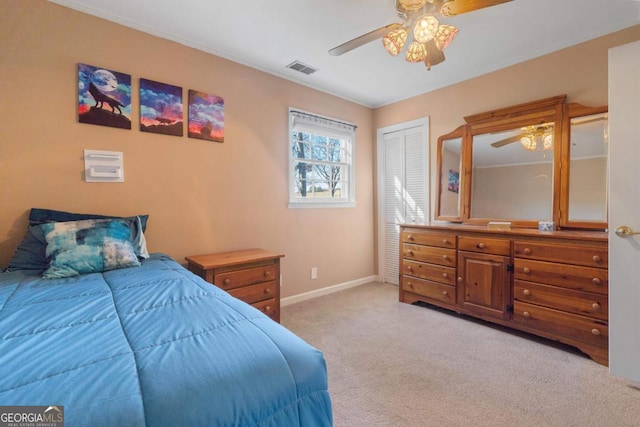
104, 97
206, 116
161, 108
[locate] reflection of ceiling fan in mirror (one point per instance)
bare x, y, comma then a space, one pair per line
532, 138
420, 30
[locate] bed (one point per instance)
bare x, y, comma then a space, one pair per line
150, 344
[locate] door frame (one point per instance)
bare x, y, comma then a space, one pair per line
380, 193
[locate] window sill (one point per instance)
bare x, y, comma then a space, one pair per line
321, 205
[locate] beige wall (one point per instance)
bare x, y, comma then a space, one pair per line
201, 196
579, 72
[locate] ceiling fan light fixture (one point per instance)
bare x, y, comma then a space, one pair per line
416, 52
412, 5
445, 35
434, 55
394, 41
529, 142
425, 29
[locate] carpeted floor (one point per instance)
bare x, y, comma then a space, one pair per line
394, 364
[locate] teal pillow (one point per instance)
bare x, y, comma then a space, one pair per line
87, 246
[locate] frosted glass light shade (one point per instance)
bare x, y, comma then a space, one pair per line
416, 52
445, 34
528, 142
394, 41
425, 29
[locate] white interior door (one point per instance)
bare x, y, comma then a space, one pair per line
403, 189
624, 210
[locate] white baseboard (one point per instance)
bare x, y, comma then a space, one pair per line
328, 290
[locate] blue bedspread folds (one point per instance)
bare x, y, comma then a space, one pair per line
153, 345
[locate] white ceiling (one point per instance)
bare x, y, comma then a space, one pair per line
270, 34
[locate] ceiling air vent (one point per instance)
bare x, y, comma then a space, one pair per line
303, 68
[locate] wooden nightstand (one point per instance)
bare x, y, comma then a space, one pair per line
251, 275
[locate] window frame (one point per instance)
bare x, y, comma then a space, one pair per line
315, 124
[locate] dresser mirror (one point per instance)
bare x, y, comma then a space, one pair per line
450, 167
512, 174
540, 161
587, 171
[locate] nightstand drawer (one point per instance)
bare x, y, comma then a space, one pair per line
268, 307
255, 293
249, 276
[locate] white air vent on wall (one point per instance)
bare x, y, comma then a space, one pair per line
303, 68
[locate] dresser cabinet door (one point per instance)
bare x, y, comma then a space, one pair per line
483, 284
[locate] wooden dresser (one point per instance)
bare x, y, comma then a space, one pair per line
251, 275
552, 284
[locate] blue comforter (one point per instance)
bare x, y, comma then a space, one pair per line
153, 345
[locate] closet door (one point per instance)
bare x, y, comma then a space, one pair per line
403, 189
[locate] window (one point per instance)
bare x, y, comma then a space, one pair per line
321, 165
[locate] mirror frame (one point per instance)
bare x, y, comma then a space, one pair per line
572, 111
546, 110
460, 132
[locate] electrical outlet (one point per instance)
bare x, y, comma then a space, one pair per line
314, 273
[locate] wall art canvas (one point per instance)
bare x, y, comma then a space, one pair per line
454, 181
104, 97
206, 116
161, 108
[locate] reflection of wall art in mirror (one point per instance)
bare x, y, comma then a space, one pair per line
454, 181
104, 97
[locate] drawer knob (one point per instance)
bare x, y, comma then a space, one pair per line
445, 294
526, 292
595, 331
409, 268
596, 281
526, 314
527, 251
409, 284
267, 273
445, 275
445, 257
410, 253
596, 306
480, 245
226, 281
526, 270
410, 237
596, 258
459, 279
267, 291
445, 241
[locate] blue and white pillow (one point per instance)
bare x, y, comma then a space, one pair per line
88, 246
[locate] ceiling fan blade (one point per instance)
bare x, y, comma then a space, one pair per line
457, 7
362, 40
506, 141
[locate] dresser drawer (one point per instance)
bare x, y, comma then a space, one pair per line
429, 254
577, 302
436, 273
432, 290
579, 255
268, 307
255, 293
569, 276
249, 276
430, 239
484, 245
585, 329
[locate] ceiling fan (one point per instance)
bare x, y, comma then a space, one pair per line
420, 27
